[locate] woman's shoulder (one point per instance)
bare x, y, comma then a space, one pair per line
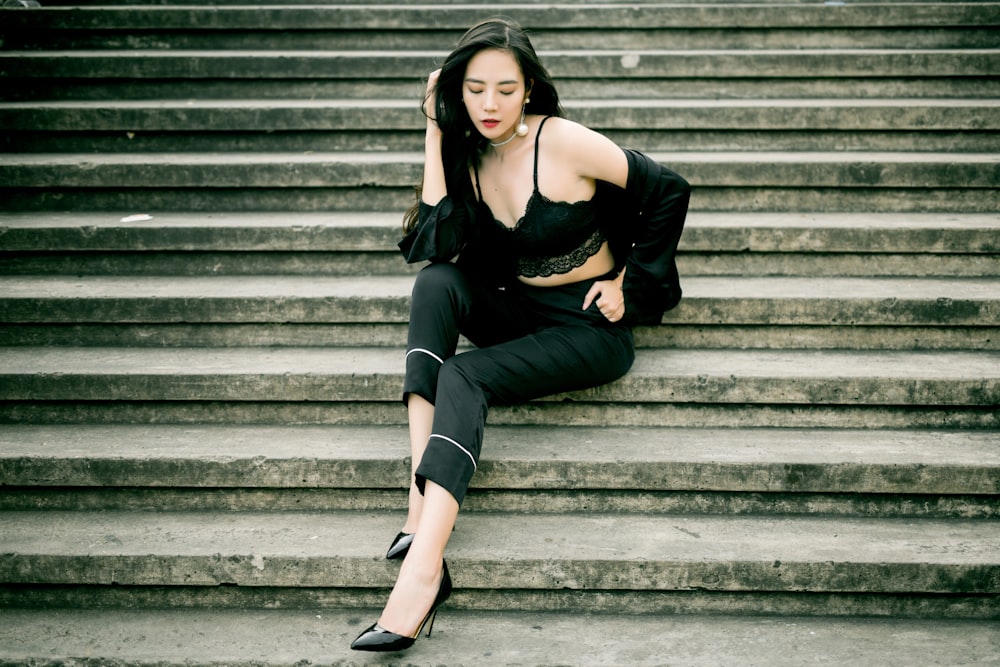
562, 131
594, 155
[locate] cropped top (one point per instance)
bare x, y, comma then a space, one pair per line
642, 223
551, 237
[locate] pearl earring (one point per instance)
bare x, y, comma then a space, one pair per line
522, 128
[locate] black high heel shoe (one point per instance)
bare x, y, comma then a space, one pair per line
377, 638
399, 546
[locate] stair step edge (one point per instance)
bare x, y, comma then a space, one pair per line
286, 638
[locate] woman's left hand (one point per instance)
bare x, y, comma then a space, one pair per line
609, 298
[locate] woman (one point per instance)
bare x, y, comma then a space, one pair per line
563, 241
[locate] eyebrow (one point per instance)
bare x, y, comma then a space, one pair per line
502, 83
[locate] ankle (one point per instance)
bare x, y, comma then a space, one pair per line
421, 571
412, 520
415, 504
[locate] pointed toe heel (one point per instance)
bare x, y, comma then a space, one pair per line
377, 638
399, 546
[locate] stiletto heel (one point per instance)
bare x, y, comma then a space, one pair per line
377, 638
399, 546
434, 614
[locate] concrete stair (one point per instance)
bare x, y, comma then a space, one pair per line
352, 125
378, 181
203, 452
295, 637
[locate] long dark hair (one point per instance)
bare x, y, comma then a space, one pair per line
461, 143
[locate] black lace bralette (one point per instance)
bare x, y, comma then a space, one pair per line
552, 237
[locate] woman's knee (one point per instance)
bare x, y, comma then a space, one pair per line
437, 278
454, 375
463, 383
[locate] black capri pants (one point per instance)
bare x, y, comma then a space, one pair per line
530, 342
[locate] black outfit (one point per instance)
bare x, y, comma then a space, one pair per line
530, 341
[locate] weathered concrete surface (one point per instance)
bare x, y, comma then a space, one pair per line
865, 116
589, 64
585, 552
799, 377
525, 501
560, 458
537, 413
369, 181
798, 301
865, 233
627, 602
535, 16
393, 335
918, 171
352, 244
66, 638
320, 197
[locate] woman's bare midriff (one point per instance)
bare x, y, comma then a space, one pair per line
595, 267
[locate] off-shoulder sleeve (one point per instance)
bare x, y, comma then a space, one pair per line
661, 197
440, 232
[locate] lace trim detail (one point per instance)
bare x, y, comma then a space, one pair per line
542, 267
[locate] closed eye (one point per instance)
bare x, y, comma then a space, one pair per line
474, 91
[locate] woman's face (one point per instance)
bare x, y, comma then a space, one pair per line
494, 93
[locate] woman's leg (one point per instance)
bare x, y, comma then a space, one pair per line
420, 574
420, 413
444, 303
552, 361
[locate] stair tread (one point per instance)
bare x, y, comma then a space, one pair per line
375, 115
582, 64
227, 443
285, 638
506, 540
296, 220
670, 377
360, 361
428, 53
597, 103
715, 301
321, 171
579, 15
306, 232
331, 535
406, 157
394, 287
556, 457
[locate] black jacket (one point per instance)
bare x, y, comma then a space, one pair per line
642, 223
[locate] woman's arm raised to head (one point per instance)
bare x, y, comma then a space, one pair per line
436, 227
434, 188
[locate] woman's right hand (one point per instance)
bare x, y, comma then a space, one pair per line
430, 108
